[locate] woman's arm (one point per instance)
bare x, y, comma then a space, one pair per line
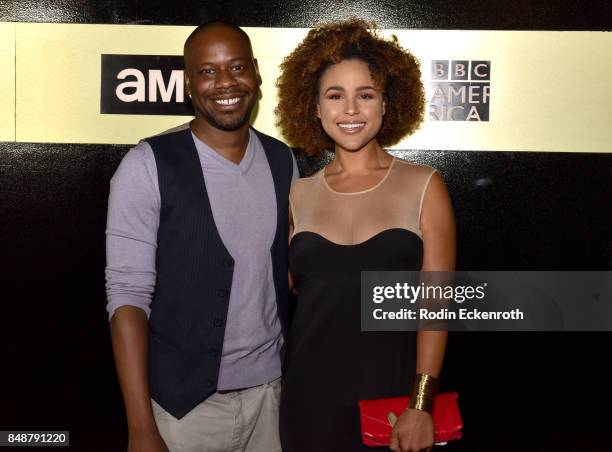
439, 253
414, 428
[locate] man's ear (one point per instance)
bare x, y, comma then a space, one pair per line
187, 83
257, 71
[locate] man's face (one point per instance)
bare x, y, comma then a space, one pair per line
222, 77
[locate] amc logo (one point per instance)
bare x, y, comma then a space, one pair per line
143, 85
461, 90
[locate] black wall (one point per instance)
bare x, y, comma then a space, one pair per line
515, 210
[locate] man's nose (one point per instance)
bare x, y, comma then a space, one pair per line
225, 79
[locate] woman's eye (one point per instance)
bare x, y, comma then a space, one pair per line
334, 96
366, 96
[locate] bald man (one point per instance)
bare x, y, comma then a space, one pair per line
197, 264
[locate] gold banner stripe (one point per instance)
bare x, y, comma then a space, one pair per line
550, 91
7, 81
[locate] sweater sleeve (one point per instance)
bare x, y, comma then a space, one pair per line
131, 231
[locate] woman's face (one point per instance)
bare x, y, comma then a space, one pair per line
350, 107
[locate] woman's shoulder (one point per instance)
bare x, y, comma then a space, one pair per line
305, 184
408, 168
413, 173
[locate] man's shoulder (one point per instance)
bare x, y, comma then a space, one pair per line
168, 134
136, 164
278, 153
270, 141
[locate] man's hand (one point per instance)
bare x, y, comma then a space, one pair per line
412, 432
147, 441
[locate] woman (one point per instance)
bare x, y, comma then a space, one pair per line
346, 88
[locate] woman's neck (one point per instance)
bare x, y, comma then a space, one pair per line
371, 157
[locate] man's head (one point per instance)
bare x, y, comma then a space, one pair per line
221, 75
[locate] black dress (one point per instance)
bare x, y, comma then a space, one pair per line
330, 363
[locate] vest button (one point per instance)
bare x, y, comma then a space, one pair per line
217, 322
223, 292
228, 263
213, 352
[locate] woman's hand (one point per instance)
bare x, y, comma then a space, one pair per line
412, 432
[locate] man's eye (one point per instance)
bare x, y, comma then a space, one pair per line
238, 67
207, 71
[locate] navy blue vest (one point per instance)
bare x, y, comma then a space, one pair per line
194, 273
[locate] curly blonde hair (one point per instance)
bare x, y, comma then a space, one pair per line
394, 70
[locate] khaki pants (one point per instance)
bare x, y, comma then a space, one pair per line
239, 421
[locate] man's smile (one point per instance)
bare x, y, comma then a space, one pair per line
230, 101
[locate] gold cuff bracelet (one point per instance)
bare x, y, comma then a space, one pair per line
423, 393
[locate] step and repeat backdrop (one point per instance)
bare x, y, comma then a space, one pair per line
518, 122
487, 90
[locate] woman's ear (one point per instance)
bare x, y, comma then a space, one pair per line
318, 110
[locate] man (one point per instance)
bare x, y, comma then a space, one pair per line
196, 264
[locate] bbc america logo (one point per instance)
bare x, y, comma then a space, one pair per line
461, 90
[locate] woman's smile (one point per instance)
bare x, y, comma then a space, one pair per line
351, 128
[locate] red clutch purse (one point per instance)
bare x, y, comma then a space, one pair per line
376, 427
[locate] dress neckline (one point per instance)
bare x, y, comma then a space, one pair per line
374, 187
